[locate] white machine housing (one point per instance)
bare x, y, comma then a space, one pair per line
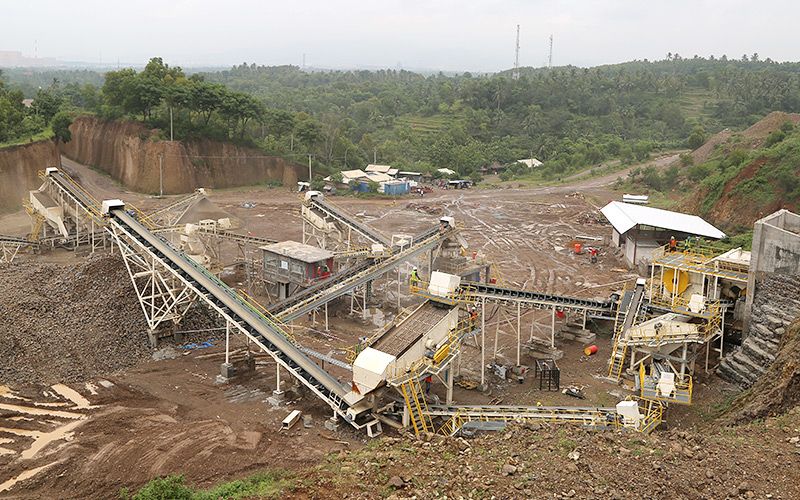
370, 369
443, 284
109, 205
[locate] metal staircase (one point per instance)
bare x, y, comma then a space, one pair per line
416, 404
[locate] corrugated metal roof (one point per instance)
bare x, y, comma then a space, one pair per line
624, 216
378, 168
298, 251
353, 174
378, 177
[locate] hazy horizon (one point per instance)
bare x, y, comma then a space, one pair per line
445, 35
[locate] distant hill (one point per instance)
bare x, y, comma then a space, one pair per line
734, 178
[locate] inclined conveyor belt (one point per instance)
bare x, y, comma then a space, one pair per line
347, 219
231, 303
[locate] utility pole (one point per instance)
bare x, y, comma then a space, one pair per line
375, 156
160, 174
515, 73
309, 168
345, 156
550, 58
170, 123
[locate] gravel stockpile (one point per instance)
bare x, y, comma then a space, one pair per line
67, 323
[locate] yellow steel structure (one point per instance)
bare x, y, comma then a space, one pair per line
267, 316
681, 395
652, 412
38, 221
698, 259
416, 404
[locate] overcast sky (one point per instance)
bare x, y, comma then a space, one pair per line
453, 35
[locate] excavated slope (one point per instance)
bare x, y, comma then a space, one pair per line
18, 168
130, 154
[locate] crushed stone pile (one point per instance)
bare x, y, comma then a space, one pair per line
545, 461
68, 323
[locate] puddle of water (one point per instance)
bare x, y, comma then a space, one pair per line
105, 383
41, 411
23, 476
60, 404
64, 432
72, 395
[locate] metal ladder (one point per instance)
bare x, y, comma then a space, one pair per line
416, 404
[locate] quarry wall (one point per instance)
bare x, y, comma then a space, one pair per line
131, 154
18, 170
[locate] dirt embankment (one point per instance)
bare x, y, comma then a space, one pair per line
130, 153
18, 168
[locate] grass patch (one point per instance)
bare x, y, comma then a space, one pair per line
44, 135
262, 485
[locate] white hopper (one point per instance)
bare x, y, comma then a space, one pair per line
443, 284
370, 369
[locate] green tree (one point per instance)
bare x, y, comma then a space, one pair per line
60, 124
697, 138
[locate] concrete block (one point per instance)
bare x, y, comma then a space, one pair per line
332, 424
227, 370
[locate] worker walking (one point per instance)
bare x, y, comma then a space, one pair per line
593, 255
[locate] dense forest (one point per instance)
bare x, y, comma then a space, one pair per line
569, 117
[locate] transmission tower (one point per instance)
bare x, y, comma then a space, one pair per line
550, 58
515, 73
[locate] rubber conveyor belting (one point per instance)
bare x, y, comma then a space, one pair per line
348, 219
304, 294
499, 292
16, 239
232, 304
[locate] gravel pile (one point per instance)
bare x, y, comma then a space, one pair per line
68, 323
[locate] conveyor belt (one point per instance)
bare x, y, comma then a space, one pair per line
16, 239
345, 218
633, 308
343, 283
497, 293
266, 333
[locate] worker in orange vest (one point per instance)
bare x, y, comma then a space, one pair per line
673, 244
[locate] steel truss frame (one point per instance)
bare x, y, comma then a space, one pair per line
152, 263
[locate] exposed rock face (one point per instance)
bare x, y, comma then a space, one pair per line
18, 170
776, 305
130, 153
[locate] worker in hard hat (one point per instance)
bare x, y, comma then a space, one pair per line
673, 244
415, 278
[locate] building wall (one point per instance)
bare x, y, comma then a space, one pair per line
776, 249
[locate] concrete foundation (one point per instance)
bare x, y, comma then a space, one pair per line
238, 368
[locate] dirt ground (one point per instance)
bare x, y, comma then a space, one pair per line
168, 416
